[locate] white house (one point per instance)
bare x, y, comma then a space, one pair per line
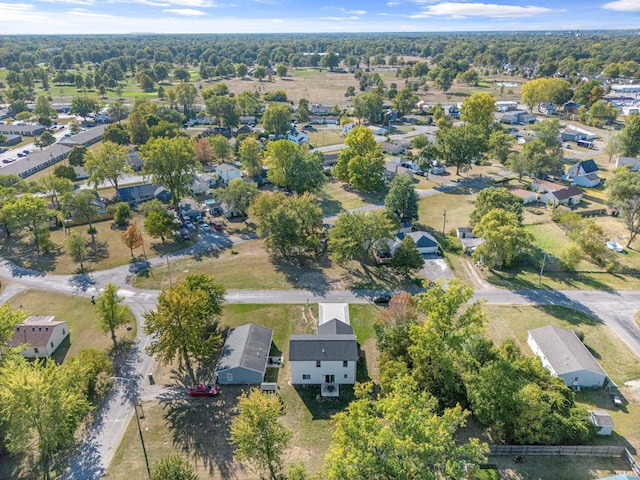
198, 186
527, 196
40, 336
602, 421
633, 163
392, 148
547, 108
565, 356
425, 242
328, 358
347, 127
298, 137
566, 196
583, 173
227, 172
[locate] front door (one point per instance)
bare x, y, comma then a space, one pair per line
329, 378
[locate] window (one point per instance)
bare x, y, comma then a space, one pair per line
51, 344
35, 350
229, 377
306, 376
317, 363
345, 363
64, 332
345, 375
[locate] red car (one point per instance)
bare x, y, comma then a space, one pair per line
203, 390
216, 226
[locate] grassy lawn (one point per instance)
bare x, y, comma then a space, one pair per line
457, 204
557, 468
79, 313
335, 198
199, 427
324, 137
109, 251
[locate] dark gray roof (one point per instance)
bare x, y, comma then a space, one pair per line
323, 347
36, 161
422, 239
564, 350
566, 193
86, 137
335, 327
246, 346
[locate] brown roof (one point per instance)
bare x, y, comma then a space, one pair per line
521, 193
566, 193
548, 186
35, 331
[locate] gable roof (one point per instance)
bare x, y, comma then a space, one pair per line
587, 166
564, 350
335, 327
225, 167
422, 239
246, 346
330, 311
35, 331
567, 193
332, 347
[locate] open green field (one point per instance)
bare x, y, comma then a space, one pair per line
79, 312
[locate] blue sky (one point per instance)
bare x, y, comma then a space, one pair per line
307, 16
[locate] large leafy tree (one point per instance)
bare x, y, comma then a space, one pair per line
8, 320
624, 192
400, 435
110, 311
184, 325
29, 212
402, 198
109, 162
41, 408
368, 106
554, 90
362, 163
460, 145
537, 160
239, 195
491, 198
479, 109
56, 188
77, 249
500, 143
171, 163
221, 148
84, 105
630, 137
589, 92
407, 258
277, 118
355, 233
186, 94
505, 239
224, 109
250, 151
405, 101
257, 433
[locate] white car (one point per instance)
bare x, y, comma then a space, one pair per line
205, 227
615, 246
188, 224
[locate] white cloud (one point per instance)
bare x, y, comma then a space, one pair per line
15, 7
73, 2
461, 10
186, 12
392, 4
169, 3
623, 6
339, 19
83, 12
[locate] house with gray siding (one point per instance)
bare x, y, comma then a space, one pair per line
244, 356
565, 356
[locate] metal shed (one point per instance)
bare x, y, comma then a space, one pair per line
244, 356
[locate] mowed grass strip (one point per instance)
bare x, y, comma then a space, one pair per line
79, 312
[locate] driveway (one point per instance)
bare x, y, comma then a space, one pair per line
435, 268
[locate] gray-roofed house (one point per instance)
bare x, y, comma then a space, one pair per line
36, 161
329, 357
40, 336
245, 355
583, 173
143, 193
565, 356
633, 163
85, 138
24, 130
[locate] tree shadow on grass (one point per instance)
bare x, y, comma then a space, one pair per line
305, 272
200, 427
323, 408
24, 258
98, 251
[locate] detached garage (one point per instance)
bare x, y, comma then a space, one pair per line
565, 356
244, 356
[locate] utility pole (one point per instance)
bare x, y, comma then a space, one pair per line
146, 459
444, 222
542, 269
169, 270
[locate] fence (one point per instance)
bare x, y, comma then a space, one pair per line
569, 450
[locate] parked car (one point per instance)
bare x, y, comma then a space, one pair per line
382, 299
199, 219
216, 226
203, 390
20, 154
617, 401
205, 227
615, 246
188, 224
26, 152
184, 234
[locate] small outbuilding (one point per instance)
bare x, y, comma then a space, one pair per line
565, 356
244, 356
602, 421
39, 335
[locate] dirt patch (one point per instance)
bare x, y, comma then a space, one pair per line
631, 390
371, 354
473, 275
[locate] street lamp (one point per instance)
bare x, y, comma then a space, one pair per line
542, 269
444, 221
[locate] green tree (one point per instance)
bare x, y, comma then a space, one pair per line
109, 162
303, 115
84, 105
277, 118
504, 239
554, 90
368, 106
8, 320
630, 137
500, 143
138, 128
330, 60
355, 233
249, 102
56, 188
250, 151
460, 145
77, 249
45, 139
117, 133
405, 101
171, 163
612, 148
40, 409
186, 94
241, 70
479, 109
400, 435
307, 173
220, 147
239, 195
537, 160
121, 212
362, 163
117, 111
132, 238
624, 193
224, 109
76, 156
257, 433
74, 126
44, 111
280, 156
110, 311
159, 224
402, 198
407, 258
570, 255
173, 467
491, 198
184, 325
589, 92
29, 212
